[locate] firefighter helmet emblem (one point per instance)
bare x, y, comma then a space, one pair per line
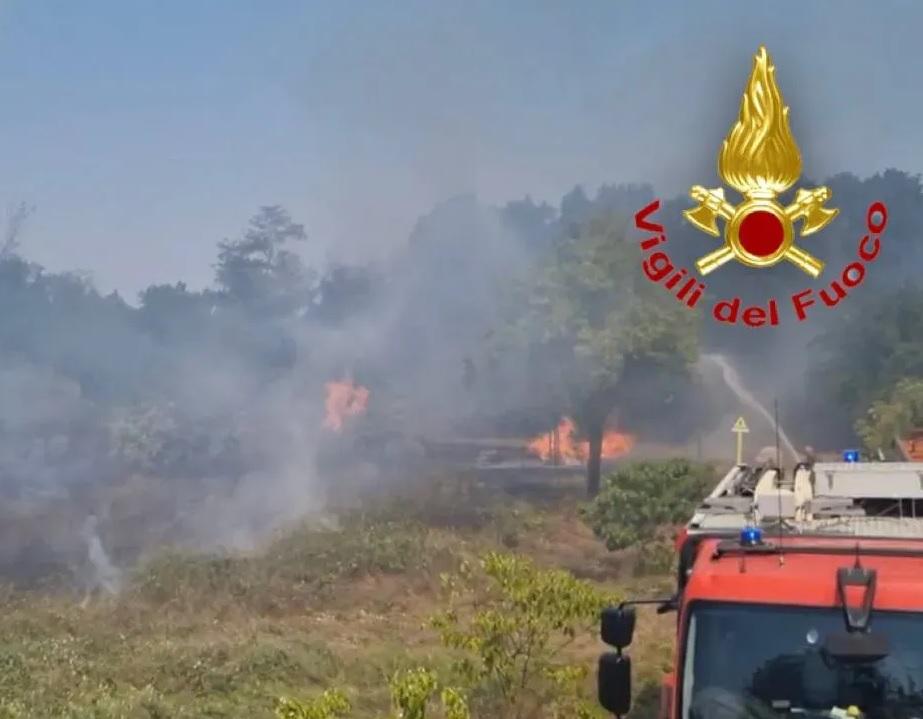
760, 160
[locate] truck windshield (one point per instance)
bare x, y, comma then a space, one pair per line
751, 661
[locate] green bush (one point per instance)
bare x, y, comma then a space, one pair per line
412, 694
413, 691
656, 557
890, 417
332, 704
511, 639
639, 499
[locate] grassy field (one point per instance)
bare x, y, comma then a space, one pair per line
343, 606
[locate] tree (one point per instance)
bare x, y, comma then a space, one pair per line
889, 418
776, 360
641, 498
174, 316
260, 271
344, 292
870, 348
14, 224
592, 325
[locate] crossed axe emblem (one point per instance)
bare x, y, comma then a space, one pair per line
759, 232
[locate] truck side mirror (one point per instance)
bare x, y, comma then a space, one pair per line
614, 679
618, 626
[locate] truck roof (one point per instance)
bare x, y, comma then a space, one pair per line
830, 499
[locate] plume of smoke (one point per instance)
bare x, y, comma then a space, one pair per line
106, 576
196, 421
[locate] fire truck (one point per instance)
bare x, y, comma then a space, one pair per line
798, 594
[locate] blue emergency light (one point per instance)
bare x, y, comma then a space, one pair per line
851, 455
751, 536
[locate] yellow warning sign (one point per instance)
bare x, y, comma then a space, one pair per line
740, 425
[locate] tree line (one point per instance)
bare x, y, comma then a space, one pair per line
512, 316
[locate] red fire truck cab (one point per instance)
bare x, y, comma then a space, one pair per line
798, 596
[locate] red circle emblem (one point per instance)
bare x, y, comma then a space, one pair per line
761, 233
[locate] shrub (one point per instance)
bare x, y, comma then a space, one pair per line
640, 498
412, 695
890, 417
656, 557
332, 704
510, 621
413, 691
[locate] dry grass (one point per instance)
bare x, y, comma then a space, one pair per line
223, 636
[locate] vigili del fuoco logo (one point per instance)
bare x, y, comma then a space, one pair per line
761, 161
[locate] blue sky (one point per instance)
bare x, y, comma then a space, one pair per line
144, 131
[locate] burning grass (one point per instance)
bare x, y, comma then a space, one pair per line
339, 606
345, 399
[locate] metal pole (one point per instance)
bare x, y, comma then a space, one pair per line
775, 409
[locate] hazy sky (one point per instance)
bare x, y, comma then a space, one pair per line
146, 131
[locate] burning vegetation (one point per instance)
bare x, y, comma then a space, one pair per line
562, 446
345, 399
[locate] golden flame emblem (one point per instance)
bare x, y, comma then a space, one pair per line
760, 159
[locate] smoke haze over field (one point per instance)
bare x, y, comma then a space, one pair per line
175, 390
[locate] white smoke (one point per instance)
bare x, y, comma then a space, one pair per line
107, 577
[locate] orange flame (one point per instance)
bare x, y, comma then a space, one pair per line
571, 451
344, 399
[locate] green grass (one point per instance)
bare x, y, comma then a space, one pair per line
212, 636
